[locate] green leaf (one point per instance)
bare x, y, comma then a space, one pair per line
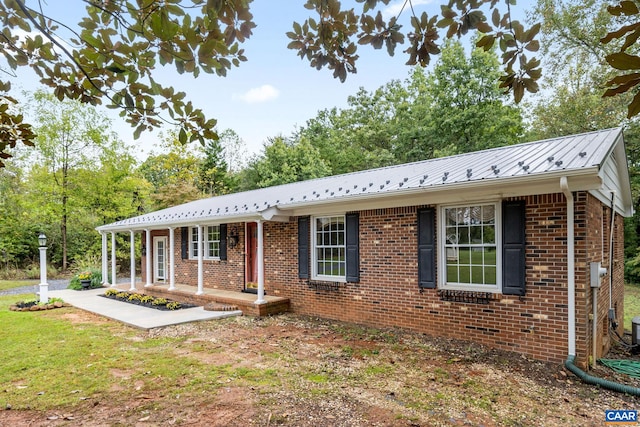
623, 61
115, 69
128, 101
634, 106
625, 7
532, 46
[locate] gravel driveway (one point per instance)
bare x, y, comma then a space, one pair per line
54, 285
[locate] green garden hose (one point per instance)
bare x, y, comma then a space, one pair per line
628, 367
590, 379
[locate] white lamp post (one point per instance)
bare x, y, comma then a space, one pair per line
44, 286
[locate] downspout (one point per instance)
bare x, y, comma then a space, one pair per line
571, 279
613, 218
569, 363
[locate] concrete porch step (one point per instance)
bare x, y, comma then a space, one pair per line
222, 298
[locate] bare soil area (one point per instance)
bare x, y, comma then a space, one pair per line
309, 372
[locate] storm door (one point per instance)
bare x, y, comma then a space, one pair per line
251, 282
160, 259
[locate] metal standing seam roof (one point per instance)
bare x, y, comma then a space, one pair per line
571, 154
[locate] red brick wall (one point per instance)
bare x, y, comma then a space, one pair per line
388, 294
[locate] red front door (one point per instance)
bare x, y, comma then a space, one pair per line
252, 256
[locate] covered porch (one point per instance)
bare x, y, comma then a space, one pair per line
232, 279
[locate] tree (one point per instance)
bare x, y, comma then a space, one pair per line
18, 233
214, 178
284, 161
80, 176
70, 135
454, 109
361, 136
458, 107
110, 55
234, 149
173, 175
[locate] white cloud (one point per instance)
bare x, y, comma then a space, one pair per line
260, 94
394, 8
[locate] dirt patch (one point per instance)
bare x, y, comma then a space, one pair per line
80, 316
295, 371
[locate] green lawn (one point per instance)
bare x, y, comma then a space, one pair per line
631, 304
42, 351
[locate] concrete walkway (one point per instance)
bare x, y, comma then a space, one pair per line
135, 315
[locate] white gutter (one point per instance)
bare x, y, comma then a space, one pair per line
571, 279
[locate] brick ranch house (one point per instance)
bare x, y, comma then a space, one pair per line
496, 246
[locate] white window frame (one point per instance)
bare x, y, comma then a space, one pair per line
314, 248
193, 242
442, 249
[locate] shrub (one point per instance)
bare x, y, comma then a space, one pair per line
95, 275
173, 305
111, 292
147, 299
135, 297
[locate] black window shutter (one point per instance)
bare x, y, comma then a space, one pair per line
426, 248
303, 247
513, 247
353, 250
185, 242
223, 242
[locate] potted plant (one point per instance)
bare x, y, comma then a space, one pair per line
85, 279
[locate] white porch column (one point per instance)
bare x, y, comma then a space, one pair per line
200, 267
133, 261
105, 260
147, 234
172, 260
113, 259
260, 255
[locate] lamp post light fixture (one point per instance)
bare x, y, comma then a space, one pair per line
44, 286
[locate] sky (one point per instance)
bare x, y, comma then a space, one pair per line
275, 92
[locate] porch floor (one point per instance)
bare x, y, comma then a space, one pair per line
243, 301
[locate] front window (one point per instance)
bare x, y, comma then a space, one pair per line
329, 248
211, 243
470, 250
